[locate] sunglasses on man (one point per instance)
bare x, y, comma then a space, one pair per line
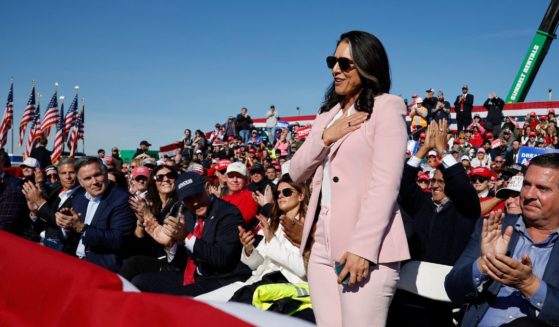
344, 63
476, 179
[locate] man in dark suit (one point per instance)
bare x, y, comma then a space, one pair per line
512, 278
209, 234
463, 106
100, 222
43, 209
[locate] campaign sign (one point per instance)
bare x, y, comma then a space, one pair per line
526, 153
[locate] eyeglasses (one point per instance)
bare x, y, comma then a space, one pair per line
52, 176
423, 181
345, 63
498, 161
160, 177
286, 192
478, 179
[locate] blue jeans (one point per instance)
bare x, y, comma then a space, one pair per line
244, 133
271, 131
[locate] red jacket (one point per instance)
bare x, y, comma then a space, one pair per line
244, 201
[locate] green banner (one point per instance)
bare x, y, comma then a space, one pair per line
517, 90
126, 155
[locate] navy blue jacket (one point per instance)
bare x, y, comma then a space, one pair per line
108, 236
439, 237
460, 289
218, 252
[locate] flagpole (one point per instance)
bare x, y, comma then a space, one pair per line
63, 143
13, 120
83, 124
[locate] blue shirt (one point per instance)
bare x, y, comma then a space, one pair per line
510, 304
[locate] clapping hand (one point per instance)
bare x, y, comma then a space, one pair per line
268, 233
157, 232
293, 229
263, 199
68, 218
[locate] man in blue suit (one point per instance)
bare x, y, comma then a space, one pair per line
511, 278
100, 222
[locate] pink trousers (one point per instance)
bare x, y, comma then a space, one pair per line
365, 304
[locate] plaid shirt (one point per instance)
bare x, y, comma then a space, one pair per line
14, 214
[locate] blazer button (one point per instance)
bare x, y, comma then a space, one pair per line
335, 179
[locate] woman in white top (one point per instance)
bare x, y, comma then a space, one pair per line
481, 159
274, 252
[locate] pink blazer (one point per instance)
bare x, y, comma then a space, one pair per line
365, 171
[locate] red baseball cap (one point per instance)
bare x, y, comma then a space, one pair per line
423, 177
489, 135
422, 135
533, 113
222, 164
481, 171
551, 111
532, 134
543, 117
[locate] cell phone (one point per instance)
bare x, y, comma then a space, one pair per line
339, 268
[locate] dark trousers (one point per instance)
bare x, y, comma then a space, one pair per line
170, 282
140, 264
408, 309
462, 122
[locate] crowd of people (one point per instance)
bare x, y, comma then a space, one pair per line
260, 216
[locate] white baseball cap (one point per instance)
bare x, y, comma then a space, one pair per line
513, 188
31, 162
237, 167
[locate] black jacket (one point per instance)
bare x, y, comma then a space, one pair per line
439, 237
468, 105
494, 108
46, 216
218, 252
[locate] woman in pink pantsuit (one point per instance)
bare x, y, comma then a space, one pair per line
355, 154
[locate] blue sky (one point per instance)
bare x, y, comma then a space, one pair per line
149, 69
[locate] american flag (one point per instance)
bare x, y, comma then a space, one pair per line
81, 121
28, 114
34, 132
59, 138
8, 118
77, 131
71, 115
51, 115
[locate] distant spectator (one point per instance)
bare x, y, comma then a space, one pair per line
142, 150
494, 106
41, 153
463, 106
243, 124
272, 117
117, 160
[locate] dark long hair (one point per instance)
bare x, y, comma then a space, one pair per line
371, 62
153, 194
276, 211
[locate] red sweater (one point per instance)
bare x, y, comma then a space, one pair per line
244, 201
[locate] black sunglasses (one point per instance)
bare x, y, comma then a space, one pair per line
345, 63
286, 192
169, 175
480, 179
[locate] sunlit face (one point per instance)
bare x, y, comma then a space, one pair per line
480, 183
346, 83
539, 196
165, 181
288, 203
235, 182
92, 179
67, 175
437, 185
